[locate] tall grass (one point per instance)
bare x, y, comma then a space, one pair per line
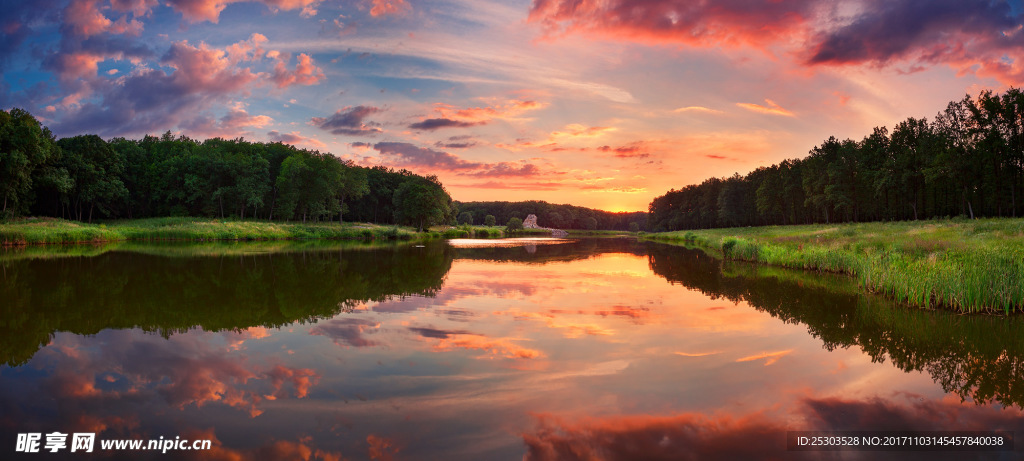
967, 266
51, 231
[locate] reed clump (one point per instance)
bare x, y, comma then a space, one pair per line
967, 266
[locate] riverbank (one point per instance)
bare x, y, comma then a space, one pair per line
29, 231
967, 266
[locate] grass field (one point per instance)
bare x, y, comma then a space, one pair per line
50, 230
962, 265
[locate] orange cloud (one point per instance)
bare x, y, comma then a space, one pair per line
697, 354
700, 109
508, 109
501, 347
772, 108
771, 357
386, 7
576, 130
381, 448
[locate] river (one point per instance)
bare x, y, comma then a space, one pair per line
541, 349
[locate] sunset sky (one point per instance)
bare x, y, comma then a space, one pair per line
599, 103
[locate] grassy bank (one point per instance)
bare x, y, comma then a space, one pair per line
50, 230
961, 265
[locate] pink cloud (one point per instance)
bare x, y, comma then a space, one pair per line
85, 19
209, 10
296, 139
231, 125
247, 50
199, 10
305, 73
969, 36
205, 69
717, 23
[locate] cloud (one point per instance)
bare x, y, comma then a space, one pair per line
454, 117
700, 109
84, 19
151, 100
295, 139
231, 125
184, 370
247, 50
772, 108
507, 169
386, 7
18, 21
499, 347
968, 35
705, 24
769, 357
79, 58
501, 110
406, 154
209, 10
576, 130
454, 145
347, 332
688, 436
756, 435
306, 72
435, 333
139, 8
350, 121
432, 124
634, 150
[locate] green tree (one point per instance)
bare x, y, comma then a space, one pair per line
466, 218
422, 202
95, 169
514, 224
24, 145
489, 220
590, 223
634, 227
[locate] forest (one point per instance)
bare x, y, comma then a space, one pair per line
967, 161
84, 177
550, 215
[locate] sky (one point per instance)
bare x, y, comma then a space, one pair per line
598, 103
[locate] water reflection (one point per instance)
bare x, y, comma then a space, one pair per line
977, 358
174, 288
596, 349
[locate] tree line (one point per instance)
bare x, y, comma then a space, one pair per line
550, 215
967, 161
83, 177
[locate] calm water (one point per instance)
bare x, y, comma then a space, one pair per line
588, 349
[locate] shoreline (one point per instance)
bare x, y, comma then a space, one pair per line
964, 266
53, 231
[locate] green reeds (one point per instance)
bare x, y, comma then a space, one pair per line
52, 231
960, 265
